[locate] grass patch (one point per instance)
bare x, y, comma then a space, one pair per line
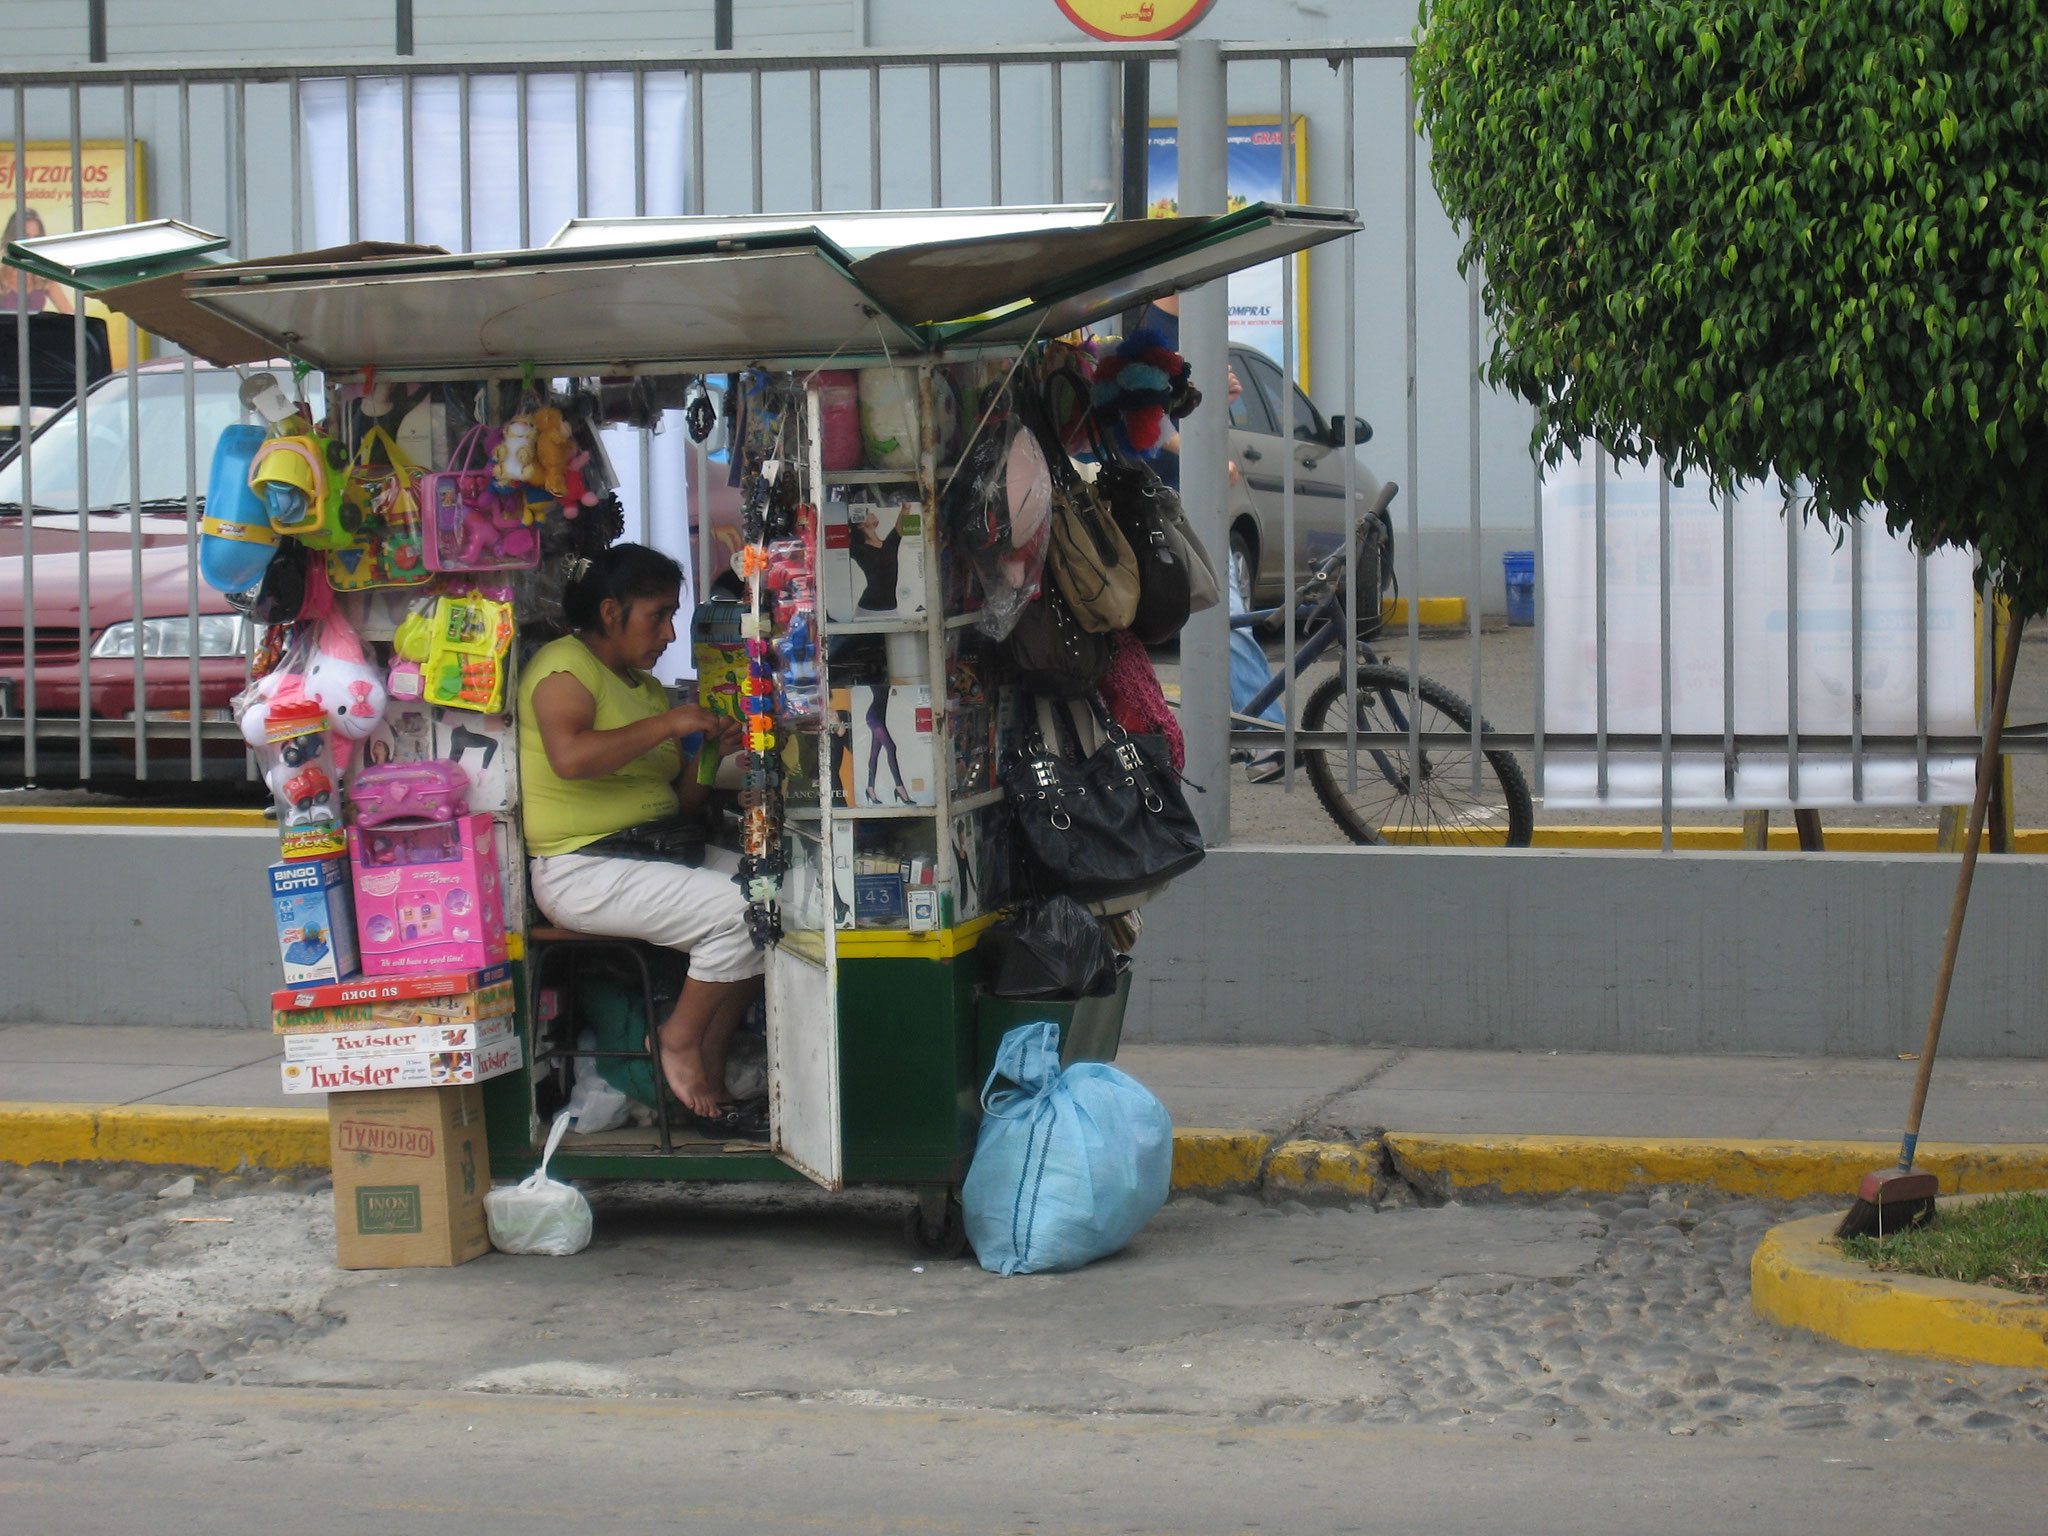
2002, 1241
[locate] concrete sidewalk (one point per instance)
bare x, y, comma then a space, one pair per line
1286, 1092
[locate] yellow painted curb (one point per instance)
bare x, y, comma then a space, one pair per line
1219, 1160
1800, 1279
1431, 612
1452, 1165
1782, 839
193, 1136
1310, 1168
131, 816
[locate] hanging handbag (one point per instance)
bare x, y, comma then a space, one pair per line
1052, 655
1204, 590
1088, 557
1165, 592
1111, 825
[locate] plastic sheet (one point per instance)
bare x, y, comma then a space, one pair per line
1002, 519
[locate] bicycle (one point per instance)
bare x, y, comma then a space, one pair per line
1450, 810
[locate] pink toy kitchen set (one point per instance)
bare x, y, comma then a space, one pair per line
427, 897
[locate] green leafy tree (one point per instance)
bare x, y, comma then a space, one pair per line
1794, 237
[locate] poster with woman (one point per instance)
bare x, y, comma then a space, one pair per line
38, 198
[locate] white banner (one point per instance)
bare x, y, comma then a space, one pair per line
551, 191
1762, 561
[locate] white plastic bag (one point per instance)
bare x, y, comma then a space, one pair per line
595, 1105
540, 1214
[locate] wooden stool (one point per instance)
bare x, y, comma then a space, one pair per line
541, 944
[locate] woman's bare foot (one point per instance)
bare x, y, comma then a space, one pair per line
683, 1066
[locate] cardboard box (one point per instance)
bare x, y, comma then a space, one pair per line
316, 923
906, 716
419, 1069
873, 561
427, 897
460, 1008
398, 1040
388, 989
410, 1171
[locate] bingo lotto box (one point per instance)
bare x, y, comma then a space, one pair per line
316, 932
427, 897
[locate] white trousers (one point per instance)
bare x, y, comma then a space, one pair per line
695, 911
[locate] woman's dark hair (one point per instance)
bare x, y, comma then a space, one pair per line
18, 223
625, 573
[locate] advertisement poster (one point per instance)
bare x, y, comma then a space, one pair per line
1255, 172
103, 178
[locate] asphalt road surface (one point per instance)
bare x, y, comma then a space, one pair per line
731, 1361
169, 1459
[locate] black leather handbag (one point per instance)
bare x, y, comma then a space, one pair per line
1052, 655
1107, 827
1165, 593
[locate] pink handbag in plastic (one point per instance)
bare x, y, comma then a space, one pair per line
473, 523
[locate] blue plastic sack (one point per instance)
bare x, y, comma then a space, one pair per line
1070, 1165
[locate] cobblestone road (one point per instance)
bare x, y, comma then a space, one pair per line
1658, 1335
100, 1276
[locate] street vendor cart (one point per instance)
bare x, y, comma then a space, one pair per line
871, 892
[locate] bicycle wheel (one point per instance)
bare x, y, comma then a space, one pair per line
1448, 812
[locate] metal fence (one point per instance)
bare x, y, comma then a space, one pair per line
229, 149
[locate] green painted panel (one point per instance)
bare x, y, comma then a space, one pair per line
906, 1060
908, 1088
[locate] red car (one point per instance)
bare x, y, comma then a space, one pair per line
164, 637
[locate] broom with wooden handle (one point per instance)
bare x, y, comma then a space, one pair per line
1893, 1199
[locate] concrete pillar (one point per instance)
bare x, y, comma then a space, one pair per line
1205, 443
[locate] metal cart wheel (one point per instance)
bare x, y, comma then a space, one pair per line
937, 1226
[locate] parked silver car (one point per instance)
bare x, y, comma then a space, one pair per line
1321, 523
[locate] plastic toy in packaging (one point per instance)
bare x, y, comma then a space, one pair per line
787, 581
436, 790
389, 550
299, 768
427, 897
475, 521
459, 646
301, 481
798, 703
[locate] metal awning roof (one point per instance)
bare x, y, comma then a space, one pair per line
728, 292
860, 232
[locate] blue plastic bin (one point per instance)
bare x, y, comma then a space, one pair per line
1519, 567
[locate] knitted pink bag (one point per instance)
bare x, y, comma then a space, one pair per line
1132, 695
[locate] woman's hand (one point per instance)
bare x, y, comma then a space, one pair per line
721, 733
690, 720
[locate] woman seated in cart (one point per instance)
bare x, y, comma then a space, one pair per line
603, 765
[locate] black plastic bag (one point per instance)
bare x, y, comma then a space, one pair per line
281, 597
1050, 949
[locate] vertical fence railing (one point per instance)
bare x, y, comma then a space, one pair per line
1047, 120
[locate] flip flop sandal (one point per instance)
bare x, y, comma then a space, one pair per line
744, 1120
